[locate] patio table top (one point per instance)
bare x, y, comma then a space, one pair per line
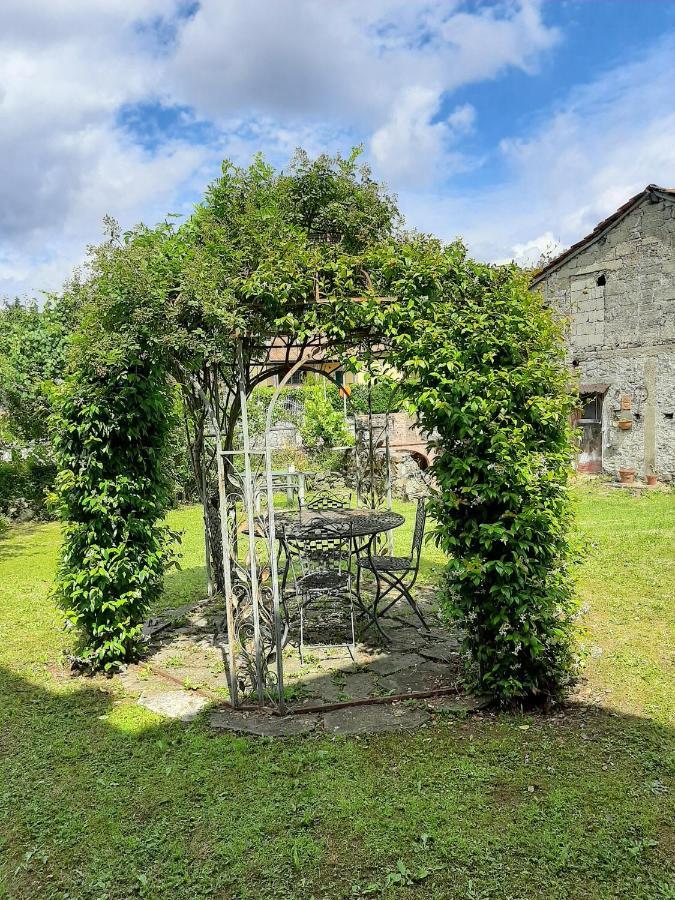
362, 522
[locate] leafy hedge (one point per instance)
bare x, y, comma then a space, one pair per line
25, 485
483, 362
112, 428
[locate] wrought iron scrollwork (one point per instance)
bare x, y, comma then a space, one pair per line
254, 667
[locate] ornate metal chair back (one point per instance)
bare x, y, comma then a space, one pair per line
319, 547
324, 501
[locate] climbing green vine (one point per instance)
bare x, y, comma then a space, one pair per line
314, 251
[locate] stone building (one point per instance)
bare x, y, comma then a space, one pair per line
616, 288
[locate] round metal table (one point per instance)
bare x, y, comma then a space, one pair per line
361, 523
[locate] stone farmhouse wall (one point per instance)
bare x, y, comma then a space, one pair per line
618, 297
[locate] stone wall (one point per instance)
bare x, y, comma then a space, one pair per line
618, 297
408, 481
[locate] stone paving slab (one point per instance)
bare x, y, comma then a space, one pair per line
183, 705
442, 653
262, 724
189, 651
375, 718
360, 686
426, 677
392, 662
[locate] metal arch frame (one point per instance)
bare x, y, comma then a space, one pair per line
247, 578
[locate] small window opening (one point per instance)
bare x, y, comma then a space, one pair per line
668, 415
602, 281
575, 363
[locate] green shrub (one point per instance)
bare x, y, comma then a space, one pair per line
322, 426
4, 526
111, 432
483, 362
25, 485
385, 396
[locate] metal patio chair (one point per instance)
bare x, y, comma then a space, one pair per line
320, 557
396, 574
324, 500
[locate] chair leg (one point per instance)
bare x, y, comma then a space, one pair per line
373, 614
302, 629
402, 590
413, 603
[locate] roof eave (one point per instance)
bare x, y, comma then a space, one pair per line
602, 228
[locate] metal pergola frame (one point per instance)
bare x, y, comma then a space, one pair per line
256, 628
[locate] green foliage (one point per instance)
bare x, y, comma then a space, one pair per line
111, 431
482, 361
385, 396
184, 488
32, 361
289, 407
322, 426
336, 200
25, 485
4, 526
321, 423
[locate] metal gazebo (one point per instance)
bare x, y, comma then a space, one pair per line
256, 626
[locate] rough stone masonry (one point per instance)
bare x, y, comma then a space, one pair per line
616, 290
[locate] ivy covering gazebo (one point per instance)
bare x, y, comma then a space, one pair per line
180, 320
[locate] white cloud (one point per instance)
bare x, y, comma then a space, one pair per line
603, 144
408, 150
66, 69
274, 74
462, 118
270, 74
545, 246
378, 68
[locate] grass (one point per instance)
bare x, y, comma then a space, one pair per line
100, 798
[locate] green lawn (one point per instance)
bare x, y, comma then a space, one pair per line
100, 798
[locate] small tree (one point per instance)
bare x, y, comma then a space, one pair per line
323, 427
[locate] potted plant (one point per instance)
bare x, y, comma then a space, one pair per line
651, 479
627, 475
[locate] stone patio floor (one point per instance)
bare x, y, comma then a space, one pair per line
183, 673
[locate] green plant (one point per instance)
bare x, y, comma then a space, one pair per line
322, 426
112, 491
33, 344
111, 431
384, 392
25, 483
483, 363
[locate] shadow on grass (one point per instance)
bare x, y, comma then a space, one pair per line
12, 543
102, 800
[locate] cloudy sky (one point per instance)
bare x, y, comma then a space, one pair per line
515, 124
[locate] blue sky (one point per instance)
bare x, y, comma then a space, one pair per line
516, 124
